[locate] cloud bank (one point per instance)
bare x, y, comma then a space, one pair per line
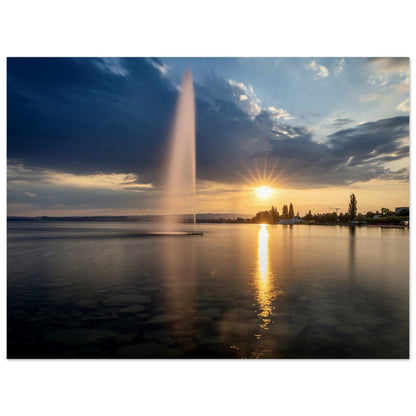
113, 117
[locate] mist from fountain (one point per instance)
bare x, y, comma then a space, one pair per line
181, 174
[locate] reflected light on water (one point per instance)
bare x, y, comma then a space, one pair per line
263, 255
265, 292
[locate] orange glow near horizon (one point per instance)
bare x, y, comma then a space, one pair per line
133, 195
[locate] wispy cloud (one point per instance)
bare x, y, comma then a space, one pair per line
279, 113
404, 106
379, 80
404, 83
340, 67
253, 105
112, 65
392, 72
389, 65
18, 173
319, 70
366, 98
160, 66
247, 97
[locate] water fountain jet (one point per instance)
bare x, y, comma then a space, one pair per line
181, 175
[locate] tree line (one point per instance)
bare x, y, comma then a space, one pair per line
383, 216
272, 215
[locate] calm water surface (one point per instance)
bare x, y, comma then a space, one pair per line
98, 290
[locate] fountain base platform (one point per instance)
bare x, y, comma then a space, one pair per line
172, 233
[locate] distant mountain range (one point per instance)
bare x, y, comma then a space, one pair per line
138, 218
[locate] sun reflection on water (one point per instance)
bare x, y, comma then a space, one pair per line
263, 255
263, 277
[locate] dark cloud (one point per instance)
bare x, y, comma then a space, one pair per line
349, 155
76, 115
339, 122
369, 140
114, 116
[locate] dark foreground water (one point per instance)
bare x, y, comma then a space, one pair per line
104, 290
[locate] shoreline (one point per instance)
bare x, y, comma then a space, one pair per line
106, 220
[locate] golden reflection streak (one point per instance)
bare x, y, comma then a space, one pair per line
263, 276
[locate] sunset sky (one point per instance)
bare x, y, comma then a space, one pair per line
88, 136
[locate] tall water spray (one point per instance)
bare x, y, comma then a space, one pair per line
181, 182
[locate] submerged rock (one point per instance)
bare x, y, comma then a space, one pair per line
126, 300
240, 329
168, 341
352, 331
214, 313
149, 288
210, 341
88, 304
79, 336
147, 350
285, 329
162, 319
142, 317
126, 338
156, 334
327, 320
203, 321
132, 309
240, 314
203, 326
368, 320
212, 299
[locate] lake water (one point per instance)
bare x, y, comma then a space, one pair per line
114, 289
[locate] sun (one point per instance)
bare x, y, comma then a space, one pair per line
265, 181
264, 192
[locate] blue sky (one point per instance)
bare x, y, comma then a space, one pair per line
315, 90
89, 135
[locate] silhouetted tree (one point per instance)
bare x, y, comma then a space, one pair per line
385, 212
274, 213
284, 212
263, 217
343, 217
266, 217
352, 207
291, 212
403, 212
308, 216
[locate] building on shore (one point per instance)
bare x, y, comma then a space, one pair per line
291, 221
